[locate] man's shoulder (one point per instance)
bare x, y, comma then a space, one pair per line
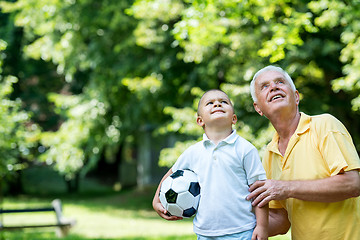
323, 117
327, 122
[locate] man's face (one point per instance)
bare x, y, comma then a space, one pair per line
215, 108
274, 94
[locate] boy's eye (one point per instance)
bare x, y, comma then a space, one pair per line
208, 103
223, 101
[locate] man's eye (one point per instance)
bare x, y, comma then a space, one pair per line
264, 86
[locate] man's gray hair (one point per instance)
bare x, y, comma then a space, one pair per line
267, 69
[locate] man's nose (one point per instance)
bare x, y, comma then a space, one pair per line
273, 86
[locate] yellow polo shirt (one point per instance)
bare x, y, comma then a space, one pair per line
320, 147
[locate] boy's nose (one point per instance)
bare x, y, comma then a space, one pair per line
217, 104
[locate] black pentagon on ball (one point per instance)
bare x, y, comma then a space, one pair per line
171, 196
194, 188
189, 212
177, 174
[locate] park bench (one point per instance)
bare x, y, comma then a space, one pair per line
62, 224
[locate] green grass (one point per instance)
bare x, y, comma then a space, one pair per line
125, 215
100, 214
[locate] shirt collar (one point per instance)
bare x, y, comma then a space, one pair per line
303, 126
229, 139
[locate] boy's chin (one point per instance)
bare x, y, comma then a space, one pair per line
221, 123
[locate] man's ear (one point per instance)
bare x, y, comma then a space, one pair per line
297, 97
257, 109
200, 121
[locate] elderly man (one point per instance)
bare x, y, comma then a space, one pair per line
311, 163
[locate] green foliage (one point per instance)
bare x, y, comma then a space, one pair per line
128, 65
316, 42
17, 134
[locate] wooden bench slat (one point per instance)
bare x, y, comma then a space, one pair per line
45, 209
35, 226
63, 224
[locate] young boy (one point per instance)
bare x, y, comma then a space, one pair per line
226, 165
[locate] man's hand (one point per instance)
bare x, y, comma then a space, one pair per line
262, 192
331, 189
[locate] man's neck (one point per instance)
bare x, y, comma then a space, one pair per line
217, 135
285, 126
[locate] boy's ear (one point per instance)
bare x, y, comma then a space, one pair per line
200, 121
234, 119
257, 109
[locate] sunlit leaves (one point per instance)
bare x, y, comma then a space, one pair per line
163, 10
168, 156
141, 86
17, 134
69, 147
146, 62
184, 121
334, 14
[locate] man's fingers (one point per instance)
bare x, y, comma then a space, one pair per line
255, 193
258, 199
264, 201
255, 185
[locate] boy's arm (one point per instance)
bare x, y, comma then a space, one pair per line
262, 223
261, 231
158, 207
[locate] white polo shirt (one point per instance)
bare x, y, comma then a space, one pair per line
225, 172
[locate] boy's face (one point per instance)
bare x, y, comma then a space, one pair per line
215, 108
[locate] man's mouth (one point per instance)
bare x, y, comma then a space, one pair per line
277, 96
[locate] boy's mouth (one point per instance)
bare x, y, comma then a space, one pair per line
218, 111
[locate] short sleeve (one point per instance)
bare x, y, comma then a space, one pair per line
338, 149
182, 162
253, 167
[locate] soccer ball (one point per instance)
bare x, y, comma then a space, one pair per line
180, 193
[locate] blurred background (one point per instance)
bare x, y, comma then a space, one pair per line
98, 98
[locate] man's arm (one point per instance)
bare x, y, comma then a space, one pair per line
332, 189
278, 221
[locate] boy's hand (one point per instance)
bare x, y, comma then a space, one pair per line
260, 233
163, 213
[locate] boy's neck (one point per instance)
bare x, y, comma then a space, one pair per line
217, 136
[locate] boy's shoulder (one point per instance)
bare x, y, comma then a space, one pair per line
243, 141
192, 145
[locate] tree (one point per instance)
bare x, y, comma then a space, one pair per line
124, 86
146, 63
18, 135
314, 41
